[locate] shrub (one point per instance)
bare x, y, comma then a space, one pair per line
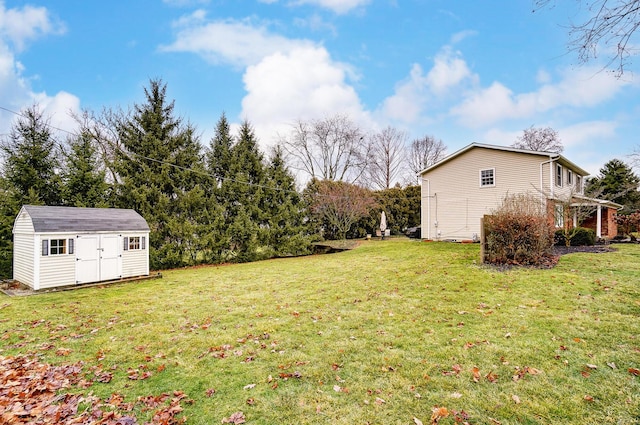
519, 232
559, 239
581, 237
578, 236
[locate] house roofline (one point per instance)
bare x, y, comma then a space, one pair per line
551, 155
603, 202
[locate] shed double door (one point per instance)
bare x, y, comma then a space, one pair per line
98, 258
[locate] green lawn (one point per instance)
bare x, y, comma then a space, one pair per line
381, 334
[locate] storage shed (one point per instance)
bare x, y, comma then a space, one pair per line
61, 246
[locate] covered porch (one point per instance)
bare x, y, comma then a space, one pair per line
596, 214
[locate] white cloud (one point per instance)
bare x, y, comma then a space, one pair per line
449, 71
595, 132
304, 84
337, 6
185, 3
22, 25
285, 79
235, 42
17, 27
582, 88
496, 136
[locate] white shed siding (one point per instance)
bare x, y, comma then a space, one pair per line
23, 256
23, 224
56, 270
454, 199
136, 262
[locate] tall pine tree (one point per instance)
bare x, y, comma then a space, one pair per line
618, 183
83, 175
243, 194
31, 160
155, 167
285, 222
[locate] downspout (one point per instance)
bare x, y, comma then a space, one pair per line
542, 194
428, 206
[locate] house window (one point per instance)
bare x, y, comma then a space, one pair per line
559, 216
569, 177
133, 243
57, 246
488, 177
559, 175
579, 184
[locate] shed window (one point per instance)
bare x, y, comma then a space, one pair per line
58, 246
132, 243
487, 177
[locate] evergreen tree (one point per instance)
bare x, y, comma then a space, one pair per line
285, 213
155, 166
9, 207
618, 183
243, 194
219, 154
83, 175
31, 160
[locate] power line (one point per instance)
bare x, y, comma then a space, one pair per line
200, 172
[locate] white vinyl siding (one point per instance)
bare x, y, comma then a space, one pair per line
23, 224
56, 270
135, 262
452, 197
23, 256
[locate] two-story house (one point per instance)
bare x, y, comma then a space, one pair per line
472, 182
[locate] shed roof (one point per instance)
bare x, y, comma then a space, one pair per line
72, 219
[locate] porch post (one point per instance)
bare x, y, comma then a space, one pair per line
575, 217
599, 222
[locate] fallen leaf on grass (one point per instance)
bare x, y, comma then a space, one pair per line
417, 421
612, 365
210, 392
248, 387
491, 377
588, 398
476, 374
236, 418
515, 399
438, 413
591, 366
634, 371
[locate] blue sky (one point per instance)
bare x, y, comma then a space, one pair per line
461, 71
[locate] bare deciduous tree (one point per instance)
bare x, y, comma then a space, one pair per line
387, 158
540, 140
340, 205
425, 152
610, 26
328, 149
